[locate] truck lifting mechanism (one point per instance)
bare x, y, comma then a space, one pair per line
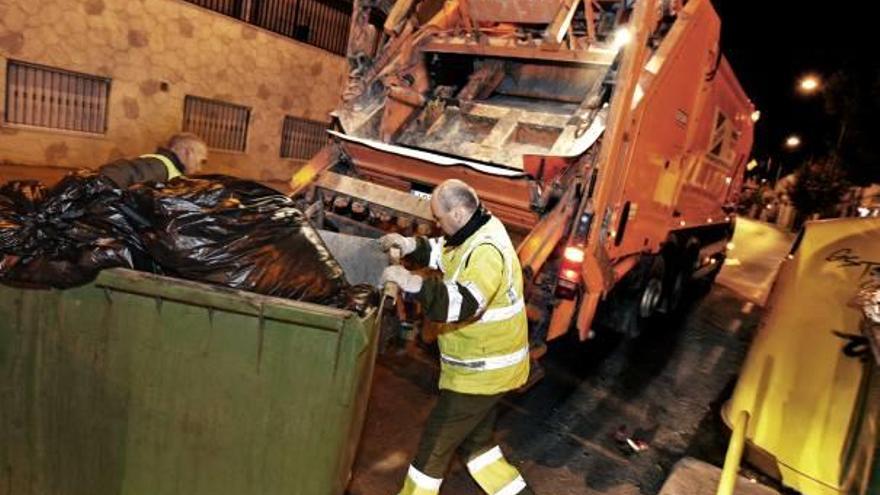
609, 136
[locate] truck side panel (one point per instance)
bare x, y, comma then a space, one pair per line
674, 80
720, 150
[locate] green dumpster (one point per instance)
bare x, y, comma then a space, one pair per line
142, 384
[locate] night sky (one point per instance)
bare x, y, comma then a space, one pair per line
772, 43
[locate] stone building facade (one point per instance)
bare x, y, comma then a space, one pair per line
156, 52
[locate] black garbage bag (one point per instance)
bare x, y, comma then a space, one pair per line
360, 298
64, 236
22, 195
17, 200
239, 234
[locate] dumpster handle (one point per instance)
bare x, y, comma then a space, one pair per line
734, 454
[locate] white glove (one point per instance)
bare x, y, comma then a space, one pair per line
406, 244
404, 279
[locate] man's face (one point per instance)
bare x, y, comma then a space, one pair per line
194, 158
449, 221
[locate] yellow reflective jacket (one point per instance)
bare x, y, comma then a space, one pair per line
485, 352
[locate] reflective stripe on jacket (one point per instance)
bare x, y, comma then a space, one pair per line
156, 167
169, 165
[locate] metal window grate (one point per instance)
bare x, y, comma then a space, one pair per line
232, 8
302, 138
222, 125
55, 98
322, 23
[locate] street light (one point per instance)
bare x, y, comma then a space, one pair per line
809, 84
792, 142
622, 37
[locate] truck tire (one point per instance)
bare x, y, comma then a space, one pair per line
651, 293
678, 282
676, 286
643, 298
703, 285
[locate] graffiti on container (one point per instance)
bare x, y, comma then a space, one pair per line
846, 258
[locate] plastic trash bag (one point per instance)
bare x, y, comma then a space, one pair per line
24, 196
17, 200
360, 298
64, 236
239, 234
213, 229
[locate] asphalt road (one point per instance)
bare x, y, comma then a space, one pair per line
568, 433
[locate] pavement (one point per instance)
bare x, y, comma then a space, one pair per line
694, 477
568, 434
753, 262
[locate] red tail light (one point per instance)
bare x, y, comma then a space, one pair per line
570, 272
574, 254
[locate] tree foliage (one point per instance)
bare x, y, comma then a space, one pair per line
852, 98
820, 188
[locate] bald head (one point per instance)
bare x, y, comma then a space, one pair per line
190, 149
453, 203
454, 193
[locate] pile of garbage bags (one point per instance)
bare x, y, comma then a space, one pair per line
214, 229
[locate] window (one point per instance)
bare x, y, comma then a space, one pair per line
233, 8
321, 23
222, 125
55, 98
302, 138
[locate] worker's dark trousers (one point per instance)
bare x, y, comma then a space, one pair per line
459, 423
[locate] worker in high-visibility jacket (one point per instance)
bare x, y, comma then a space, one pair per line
185, 154
484, 349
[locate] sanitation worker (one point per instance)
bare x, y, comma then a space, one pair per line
477, 295
185, 154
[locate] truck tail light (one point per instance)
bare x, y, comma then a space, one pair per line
570, 273
574, 254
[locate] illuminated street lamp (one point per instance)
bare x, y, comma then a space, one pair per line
809, 84
792, 142
622, 37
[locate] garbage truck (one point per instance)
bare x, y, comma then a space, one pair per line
610, 137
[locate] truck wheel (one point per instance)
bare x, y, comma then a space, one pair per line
704, 284
675, 291
650, 298
719, 264
678, 283
645, 298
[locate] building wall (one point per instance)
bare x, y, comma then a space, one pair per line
141, 44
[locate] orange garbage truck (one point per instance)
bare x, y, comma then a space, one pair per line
610, 137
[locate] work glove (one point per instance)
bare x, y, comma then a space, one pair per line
407, 281
406, 244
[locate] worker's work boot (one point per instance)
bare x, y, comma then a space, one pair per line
419, 483
495, 475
